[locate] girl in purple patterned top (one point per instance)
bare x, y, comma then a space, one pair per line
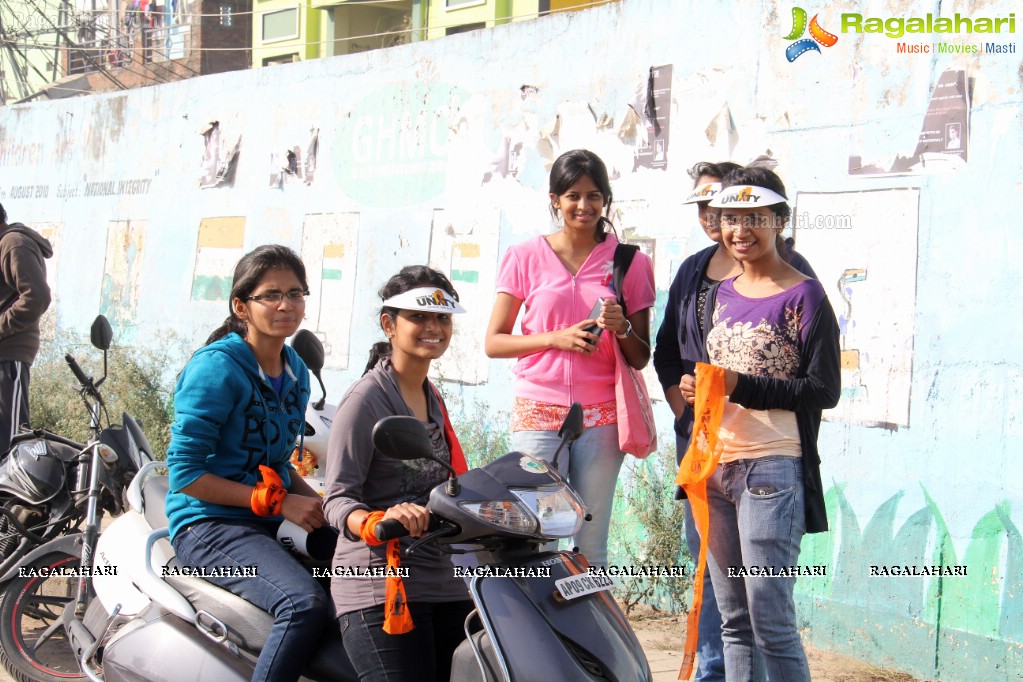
776, 335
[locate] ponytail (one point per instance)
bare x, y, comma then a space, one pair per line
231, 324
379, 351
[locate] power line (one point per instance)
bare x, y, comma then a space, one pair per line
71, 43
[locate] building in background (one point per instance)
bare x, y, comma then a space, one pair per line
59, 48
286, 31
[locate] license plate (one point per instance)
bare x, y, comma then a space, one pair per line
576, 586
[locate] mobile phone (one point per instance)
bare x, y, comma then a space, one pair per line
594, 314
763, 490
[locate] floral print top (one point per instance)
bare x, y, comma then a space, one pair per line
762, 337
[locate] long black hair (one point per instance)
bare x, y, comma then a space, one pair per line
248, 273
3, 215
765, 177
408, 278
567, 170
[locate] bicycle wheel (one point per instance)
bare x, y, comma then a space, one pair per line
33, 645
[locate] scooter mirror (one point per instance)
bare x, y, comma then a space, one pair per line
309, 348
101, 334
572, 427
402, 437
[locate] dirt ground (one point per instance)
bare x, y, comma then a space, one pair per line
663, 637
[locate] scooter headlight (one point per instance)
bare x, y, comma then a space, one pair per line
503, 514
559, 510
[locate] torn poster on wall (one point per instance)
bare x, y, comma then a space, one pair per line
465, 245
218, 248
122, 274
218, 162
329, 251
942, 144
860, 269
293, 164
653, 104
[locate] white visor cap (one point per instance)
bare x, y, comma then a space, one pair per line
746, 196
704, 192
427, 299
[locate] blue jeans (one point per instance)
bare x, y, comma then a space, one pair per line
282, 586
421, 655
591, 465
757, 530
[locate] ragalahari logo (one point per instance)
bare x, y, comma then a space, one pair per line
817, 35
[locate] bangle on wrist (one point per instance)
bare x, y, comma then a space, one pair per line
628, 331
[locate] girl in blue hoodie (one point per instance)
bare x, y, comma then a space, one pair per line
239, 410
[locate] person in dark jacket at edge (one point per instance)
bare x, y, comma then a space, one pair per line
24, 297
679, 345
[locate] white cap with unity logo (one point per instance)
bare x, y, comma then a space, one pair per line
704, 192
427, 299
746, 196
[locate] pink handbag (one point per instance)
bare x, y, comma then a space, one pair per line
637, 433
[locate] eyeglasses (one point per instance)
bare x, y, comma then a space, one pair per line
275, 297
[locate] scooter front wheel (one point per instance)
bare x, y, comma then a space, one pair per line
33, 645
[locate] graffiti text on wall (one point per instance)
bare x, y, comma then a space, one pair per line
100, 188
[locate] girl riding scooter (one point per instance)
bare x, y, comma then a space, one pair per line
239, 407
384, 639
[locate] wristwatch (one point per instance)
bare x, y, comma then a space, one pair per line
628, 331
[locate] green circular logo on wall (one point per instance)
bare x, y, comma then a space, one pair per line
391, 148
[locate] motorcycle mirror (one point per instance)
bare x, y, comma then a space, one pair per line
101, 334
402, 437
570, 430
572, 427
405, 438
310, 349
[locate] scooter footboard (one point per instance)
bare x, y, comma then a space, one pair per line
537, 633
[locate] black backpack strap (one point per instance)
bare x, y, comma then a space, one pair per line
624, 253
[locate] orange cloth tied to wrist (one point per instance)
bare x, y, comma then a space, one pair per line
397, 618
268, 495
698, 464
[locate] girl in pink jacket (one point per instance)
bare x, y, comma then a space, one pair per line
558, 278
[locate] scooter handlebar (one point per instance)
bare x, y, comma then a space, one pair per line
392, 528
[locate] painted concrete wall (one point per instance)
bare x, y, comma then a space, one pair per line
437, 151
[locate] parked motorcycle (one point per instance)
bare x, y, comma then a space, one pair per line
151, 621
70, 484
36, 479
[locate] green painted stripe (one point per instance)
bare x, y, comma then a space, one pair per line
470, 276
210, 288
331, 273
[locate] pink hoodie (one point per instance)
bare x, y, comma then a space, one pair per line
554, 299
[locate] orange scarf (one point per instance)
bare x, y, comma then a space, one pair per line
698, 464
397, 618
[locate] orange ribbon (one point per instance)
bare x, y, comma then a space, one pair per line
268, 495
397, 618
698, 464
